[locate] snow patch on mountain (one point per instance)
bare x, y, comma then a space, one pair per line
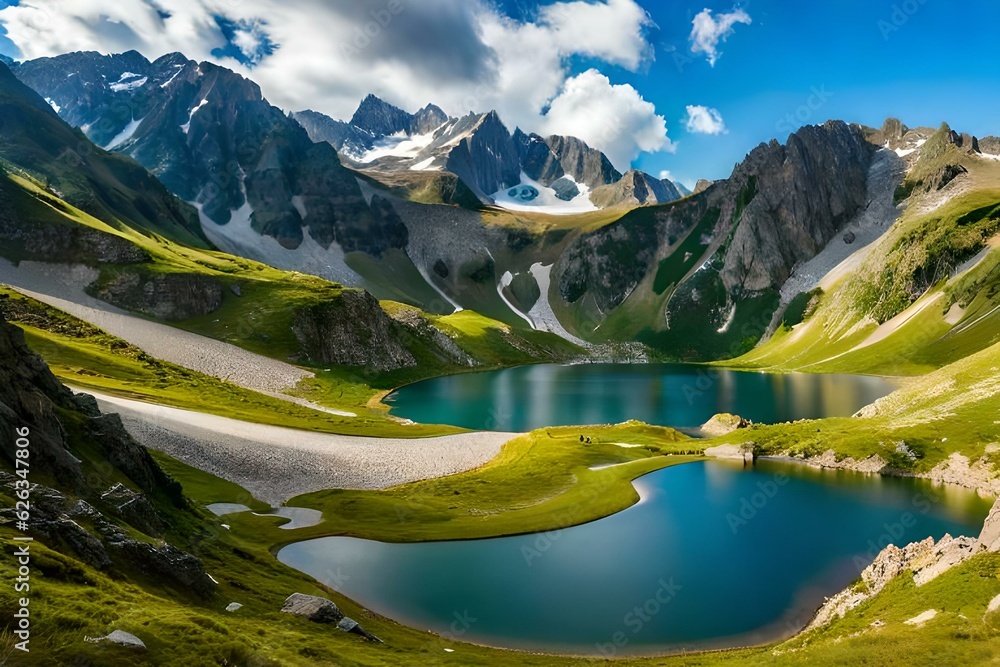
52, 103
541, 313
505, 282
546, 201
129, 81
186, 127
238, 237
425, 165
398, 145
124, 135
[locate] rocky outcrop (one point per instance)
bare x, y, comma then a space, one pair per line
351, 329
990, 145
989, 539
30, 398
350, 625
724, 424
925, 561
165, 296
636, 188
446, 349
34, 237
316, 609
729, 246
547, 159
484, 155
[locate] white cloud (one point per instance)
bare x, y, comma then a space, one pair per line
702, 120
463, 55
707, 31
612, 118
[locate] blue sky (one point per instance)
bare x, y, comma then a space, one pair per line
576, 66
937, 66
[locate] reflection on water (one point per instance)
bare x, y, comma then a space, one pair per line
677, 395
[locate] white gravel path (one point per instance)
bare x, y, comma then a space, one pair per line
275, 464
62, 287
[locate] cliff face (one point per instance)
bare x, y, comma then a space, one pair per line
806, 191
635, 188
76, 455
717, 258
351, 330
171, 297
485, 156
547, 159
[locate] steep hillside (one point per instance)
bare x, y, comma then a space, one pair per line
923, 295
722, 254
106, 185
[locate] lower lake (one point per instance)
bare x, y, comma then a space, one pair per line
712, 556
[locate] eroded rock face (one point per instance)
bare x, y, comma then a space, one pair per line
926, 560
635, 188
351, 330
316, 609
733, 243
989, 539
171, 296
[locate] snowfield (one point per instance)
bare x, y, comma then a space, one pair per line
546, 202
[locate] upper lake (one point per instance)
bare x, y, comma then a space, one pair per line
675, 395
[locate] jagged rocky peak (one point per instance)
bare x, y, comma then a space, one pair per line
702, 185
428, 119
547, 159
381, 119
481, 152
635, 188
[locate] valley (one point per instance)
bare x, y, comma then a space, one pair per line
454, 344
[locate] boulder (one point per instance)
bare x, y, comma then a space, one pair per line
724, 424
350, 625
134, 508
316, 609
566, 189
233, 606
120, 638
850, 237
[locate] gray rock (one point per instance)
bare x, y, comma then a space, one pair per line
121, 638
351, 329
134, 508
989, 538
233, 606
316, 609
236, 289
350, 625
172, 297
850, 237
566, 189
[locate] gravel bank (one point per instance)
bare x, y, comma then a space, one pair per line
276, 464
62, 287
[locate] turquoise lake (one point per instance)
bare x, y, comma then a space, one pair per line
676, 395
712, 556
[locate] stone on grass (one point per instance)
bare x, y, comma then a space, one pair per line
234, 606
316, 609
120, 638
350, 625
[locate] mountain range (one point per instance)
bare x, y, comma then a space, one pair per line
446, 214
